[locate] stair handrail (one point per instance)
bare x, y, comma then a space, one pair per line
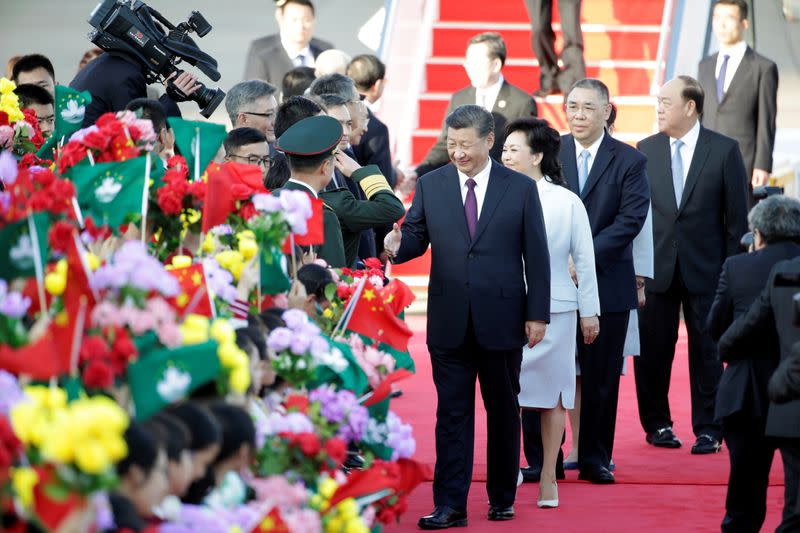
667, 20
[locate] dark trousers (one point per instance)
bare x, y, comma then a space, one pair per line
750, 455
790, 453
658, 333
601, 364
532, 440
454, 374
543, 41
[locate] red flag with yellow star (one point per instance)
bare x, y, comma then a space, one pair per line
194, 297
374, 316
398, 295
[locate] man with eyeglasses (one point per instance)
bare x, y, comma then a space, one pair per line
248, 146
41, 102
252, 104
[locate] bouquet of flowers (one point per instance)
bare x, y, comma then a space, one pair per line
19, 128
376, 364
197, 329
31, 188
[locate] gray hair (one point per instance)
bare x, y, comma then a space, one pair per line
594, 84
245, 93
776, 218
335, 84
471, 116
330, 100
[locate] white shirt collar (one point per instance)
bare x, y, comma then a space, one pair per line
490, 92
736, 52
293, 53
306, 185
592, 149
690, 139
481, 178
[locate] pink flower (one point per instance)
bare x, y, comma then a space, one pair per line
106, 314
161, 311
138, 320
302, 521
169, 334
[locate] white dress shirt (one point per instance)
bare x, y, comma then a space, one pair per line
295, 55
687, 150
481, 183
306, 185
592, 153
488, 96
736, 53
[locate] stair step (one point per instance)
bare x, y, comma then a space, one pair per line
629, 43
633, 114
597, 11
622, 78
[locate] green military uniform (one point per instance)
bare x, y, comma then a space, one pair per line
311, 137
381, 208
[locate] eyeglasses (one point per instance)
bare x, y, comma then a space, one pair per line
265, 162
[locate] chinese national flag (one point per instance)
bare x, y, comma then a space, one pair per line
316, 230
398, 295
219, 201
374, 317
39, 360
194, 297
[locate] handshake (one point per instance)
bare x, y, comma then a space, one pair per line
391, 243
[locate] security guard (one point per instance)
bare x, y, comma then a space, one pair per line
309, 146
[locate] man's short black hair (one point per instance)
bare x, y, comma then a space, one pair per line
29, 93
366, 70
32, 62
239, 137
692, 90
471, 116
741, 4
306, 163
293, 110
283, 3
151, 110
296, 81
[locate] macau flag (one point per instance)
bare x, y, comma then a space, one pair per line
197, 141
109, 192
18, 246
70, 107
273, 271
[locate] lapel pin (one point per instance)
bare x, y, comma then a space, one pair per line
501, 104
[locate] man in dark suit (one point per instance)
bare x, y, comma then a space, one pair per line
742, 394
767, 331
270, 58
543, 40
742, 89
485, 228
610, 178
486, 55
699, 188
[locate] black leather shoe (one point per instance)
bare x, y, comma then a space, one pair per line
663, 438
599, 475
498, 514
443, 518
706, 444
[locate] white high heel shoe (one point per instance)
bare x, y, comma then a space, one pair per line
549, 504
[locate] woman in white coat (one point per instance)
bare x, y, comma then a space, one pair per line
547, 379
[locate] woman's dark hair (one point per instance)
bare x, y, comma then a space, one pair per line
237, 429
203, 426
273, 318
256, 337
175, 434
541, 138
315, 278
143, 448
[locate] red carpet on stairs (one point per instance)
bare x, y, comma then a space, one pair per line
656, 490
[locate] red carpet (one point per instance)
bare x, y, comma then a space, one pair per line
656, 490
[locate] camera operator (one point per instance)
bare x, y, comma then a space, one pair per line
742, 392
767, 332
113, 79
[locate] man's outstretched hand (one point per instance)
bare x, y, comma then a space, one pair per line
391, 243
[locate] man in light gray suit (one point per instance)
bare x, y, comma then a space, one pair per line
270, 58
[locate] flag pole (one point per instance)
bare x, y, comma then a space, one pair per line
197, 155
258, 283
145, 194
37, 257
90, 156
294, 256
350, 305
210, 294
77, 338
77, 208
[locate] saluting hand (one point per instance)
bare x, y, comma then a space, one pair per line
534, 330
391, 243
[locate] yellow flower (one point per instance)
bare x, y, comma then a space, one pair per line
48, 397
61, 266
239, 379
232, 261
9, 100
248, 248
327, 487
355, 525
334, 525
7, 86
327, 313
61, 448
222, 331
93, 261
268, 524
235, 529
228, 354
115, 447
316, 501
181, 261
194, 329
23, 420
24, 479
348, 508
208, 243
55, 283
62, 318
91, 457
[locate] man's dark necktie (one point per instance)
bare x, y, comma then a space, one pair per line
471, 208
723, 71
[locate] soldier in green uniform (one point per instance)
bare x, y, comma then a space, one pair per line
309, 146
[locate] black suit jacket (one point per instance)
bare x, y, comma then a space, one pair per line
707, 226
374, 148
616, 197
743, 385
483, 278
767, 331
511, 103
748, 109
267, 58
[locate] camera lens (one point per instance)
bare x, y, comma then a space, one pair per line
208, 100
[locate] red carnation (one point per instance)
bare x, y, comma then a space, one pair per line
122, 352
98, 375
95, 140
336, 449
309, 443
198, 190
296, 402
72, 153
178, 163
62, 189
60, 235
3, 118
43, 177
373, 263
169, 202
93, 348
40, 201
247, 211
344, 291
95, 232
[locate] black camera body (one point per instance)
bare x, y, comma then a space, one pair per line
129, 28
